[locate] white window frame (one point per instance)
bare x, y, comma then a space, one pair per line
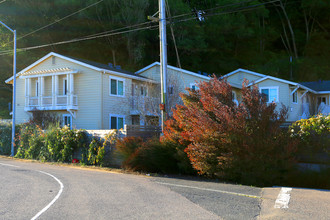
117, 116
63, 120
269, 88
234, 95
65, 86
323, 96
171, 89
145, 90
194, 84
117, 79
295, 93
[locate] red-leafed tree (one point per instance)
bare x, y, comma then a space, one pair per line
238, 142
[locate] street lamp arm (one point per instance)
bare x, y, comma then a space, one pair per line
7, 26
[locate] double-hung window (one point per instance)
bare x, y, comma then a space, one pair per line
295, 97
194, 87
270, 93
117, 121
170, 89
67, 120
117, 86
144, 91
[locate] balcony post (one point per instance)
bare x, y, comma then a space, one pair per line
67, 90
56, 89
27, 91
71, 88
53, 91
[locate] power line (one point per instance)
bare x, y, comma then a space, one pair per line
3, 1
218, 7
56, 21
113, 32
76, 40
242, 9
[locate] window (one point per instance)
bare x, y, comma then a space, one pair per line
321, 99
135, 119
65, 86
144, 91
117, 121
116, 86
233, 93
193, 86
270, 93
67, 120
295, 97
171, 90
37, 88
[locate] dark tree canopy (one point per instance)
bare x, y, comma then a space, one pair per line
234, 34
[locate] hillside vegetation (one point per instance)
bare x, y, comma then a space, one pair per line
258, 35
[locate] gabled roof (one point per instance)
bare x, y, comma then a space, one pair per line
319, 86
275, 79
244, 70
173, 68
86, 63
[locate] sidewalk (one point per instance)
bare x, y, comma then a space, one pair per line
303, 204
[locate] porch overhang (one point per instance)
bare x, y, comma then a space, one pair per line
39, 73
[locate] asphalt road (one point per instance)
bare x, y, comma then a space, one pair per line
61, 192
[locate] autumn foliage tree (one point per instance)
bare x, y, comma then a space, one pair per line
242, 143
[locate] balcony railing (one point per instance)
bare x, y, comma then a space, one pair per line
142, 104
51, 102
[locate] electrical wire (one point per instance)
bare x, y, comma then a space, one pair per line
3, 1
56, 21
113, 32
218, 7
242, 9
75, 40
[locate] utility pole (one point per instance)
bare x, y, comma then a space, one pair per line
14, 91
163, 60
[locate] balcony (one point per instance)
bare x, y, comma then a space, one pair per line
50, 90
59, 102
144, 105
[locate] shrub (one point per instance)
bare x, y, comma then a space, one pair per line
96, 152
149, 156
241, 143
45, 119
314, 135
55, 144
5, 139
27, 131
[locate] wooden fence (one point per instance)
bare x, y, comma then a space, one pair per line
145, 132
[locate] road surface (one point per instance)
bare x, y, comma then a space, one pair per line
42, 191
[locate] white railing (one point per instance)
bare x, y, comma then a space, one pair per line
61, 100
51, 101
47, 100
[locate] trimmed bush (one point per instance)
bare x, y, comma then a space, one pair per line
314, 136
5, 139
54, 144
149, 156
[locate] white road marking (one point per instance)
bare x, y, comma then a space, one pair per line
54, 200
56, 197
211, 190
9, 165
283, 198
